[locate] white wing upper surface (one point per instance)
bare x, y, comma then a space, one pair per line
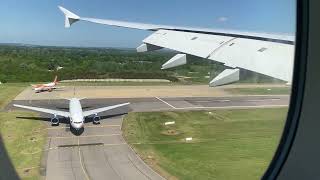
99, 110
269, 58
48, 111
269, 54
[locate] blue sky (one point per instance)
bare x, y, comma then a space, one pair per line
40, 22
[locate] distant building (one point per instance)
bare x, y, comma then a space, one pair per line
59, 67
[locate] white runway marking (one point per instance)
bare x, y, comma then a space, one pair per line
66, 127
165, 102
209, 101
260, 100
226, 100
233, 107
118, 144
132, 162
78, 145
81, 163
88, 136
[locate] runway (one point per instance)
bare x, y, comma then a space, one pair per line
167, 103
100, 152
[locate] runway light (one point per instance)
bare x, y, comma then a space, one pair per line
169, 123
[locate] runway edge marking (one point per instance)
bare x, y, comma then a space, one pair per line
234, 107
137, 155
165, 102
139, 158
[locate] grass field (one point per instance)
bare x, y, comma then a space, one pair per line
9, 91
23, 139
260, 91
227, 144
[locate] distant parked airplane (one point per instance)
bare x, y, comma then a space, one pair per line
76, 115
45, 87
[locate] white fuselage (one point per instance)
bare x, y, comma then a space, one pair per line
76, 114
52, 84
45, 87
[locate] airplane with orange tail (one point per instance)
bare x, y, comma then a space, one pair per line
45, 87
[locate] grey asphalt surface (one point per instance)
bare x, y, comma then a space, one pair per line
165, 104
100, 152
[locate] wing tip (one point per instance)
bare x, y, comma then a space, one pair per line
17, 105
70, 17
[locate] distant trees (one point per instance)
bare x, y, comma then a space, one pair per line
36, 63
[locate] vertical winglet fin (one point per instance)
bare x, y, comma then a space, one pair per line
70, 17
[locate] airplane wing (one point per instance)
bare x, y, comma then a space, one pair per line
99, 110
268, 54
48, 111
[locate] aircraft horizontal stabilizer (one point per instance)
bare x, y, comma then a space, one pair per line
70, 17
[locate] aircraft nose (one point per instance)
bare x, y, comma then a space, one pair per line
78, 126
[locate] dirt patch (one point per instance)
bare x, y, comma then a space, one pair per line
26, 171
170, 132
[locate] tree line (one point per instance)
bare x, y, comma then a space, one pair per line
38, 64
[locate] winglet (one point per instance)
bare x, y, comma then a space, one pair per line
70, 17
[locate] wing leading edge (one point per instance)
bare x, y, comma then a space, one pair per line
99, 110
48, 111
268, 54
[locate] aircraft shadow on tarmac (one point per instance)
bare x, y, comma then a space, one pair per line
67, 122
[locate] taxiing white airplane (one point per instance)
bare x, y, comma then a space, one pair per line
45, 87
76, 115
268, 54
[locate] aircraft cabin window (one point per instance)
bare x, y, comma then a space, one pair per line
157, 88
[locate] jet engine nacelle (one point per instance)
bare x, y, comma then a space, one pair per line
55, 121
96, 119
